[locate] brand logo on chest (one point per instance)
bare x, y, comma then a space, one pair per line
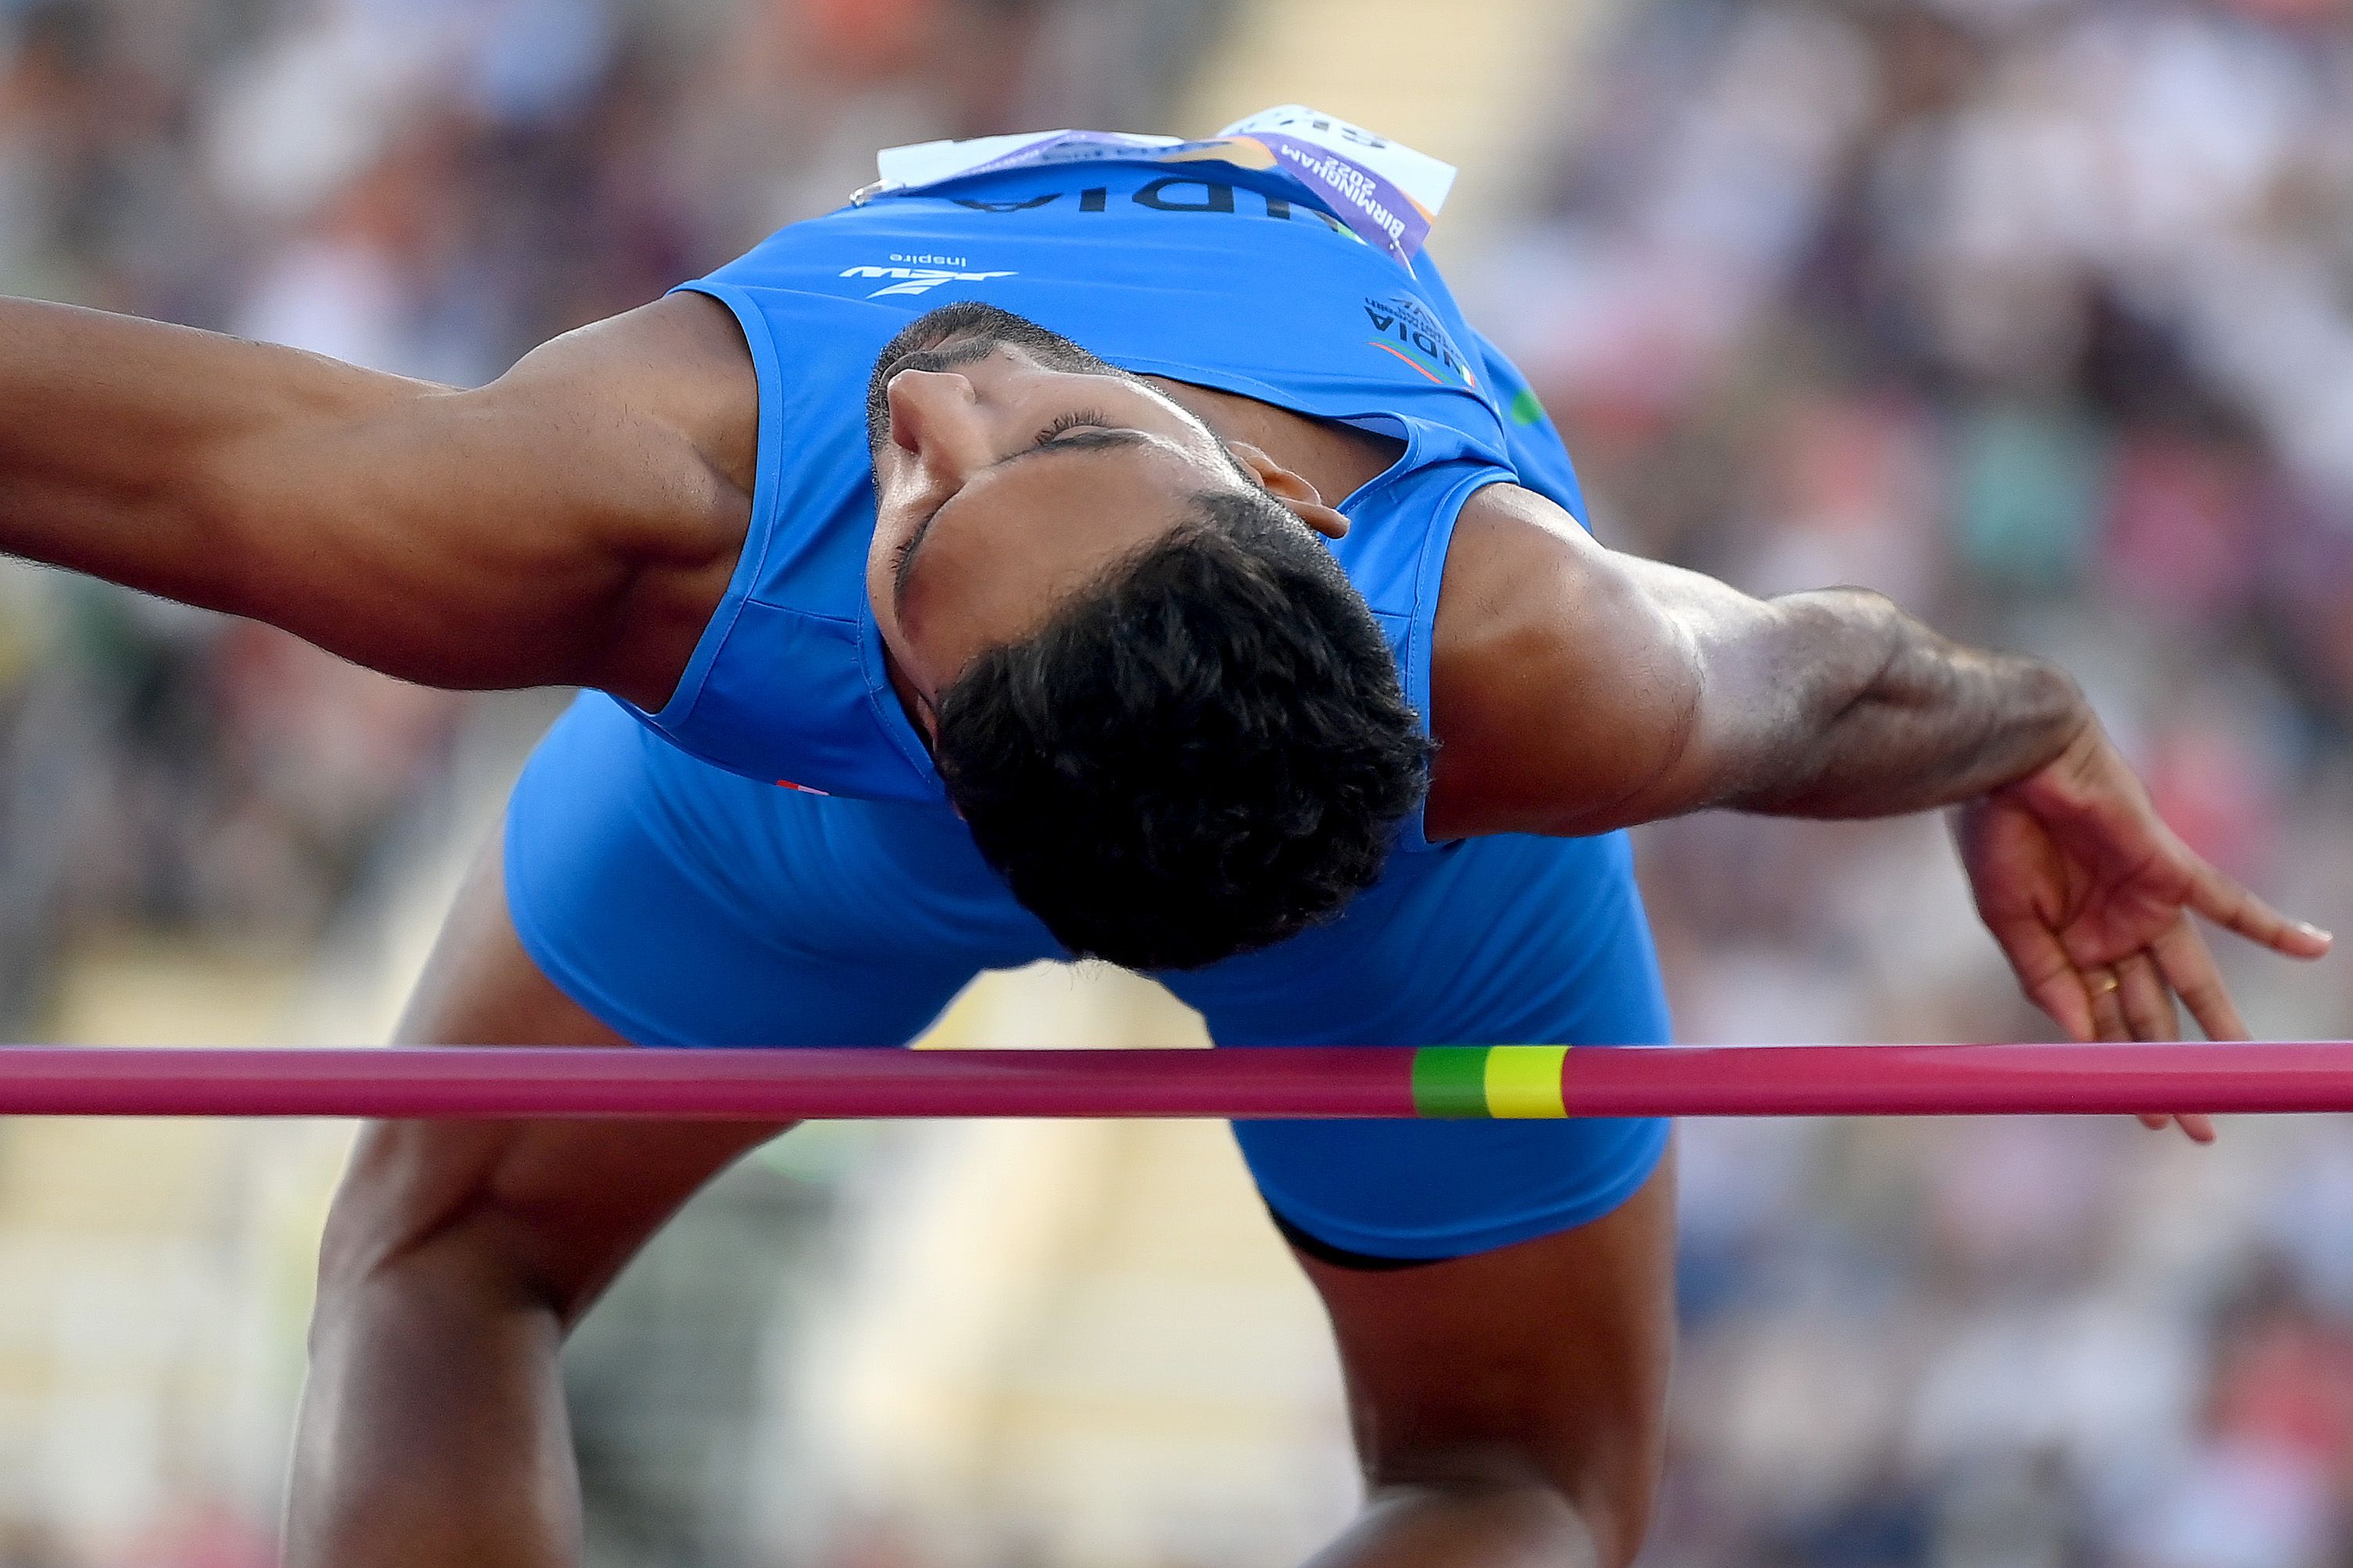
916, 280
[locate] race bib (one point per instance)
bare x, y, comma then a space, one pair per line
1385, 193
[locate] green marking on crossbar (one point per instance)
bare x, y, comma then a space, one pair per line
1450, 1080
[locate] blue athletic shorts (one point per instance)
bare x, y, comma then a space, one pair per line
686, 906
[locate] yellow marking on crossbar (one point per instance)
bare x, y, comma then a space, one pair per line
1523, 1081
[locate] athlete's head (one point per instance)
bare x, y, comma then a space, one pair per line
1170, 722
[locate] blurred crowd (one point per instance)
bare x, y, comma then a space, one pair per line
2024, 1342
2038, 316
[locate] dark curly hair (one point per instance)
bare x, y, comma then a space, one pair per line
1203, 753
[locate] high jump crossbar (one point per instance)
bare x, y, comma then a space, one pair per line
1246, 1082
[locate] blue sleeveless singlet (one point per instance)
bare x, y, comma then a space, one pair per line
687, 904
1217, 276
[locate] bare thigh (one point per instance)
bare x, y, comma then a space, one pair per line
480, 988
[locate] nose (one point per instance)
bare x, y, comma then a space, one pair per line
935, 416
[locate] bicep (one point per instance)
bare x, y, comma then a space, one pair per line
1577, 690
503, 536
439, 539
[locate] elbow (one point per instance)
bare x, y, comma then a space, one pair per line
1869, 631
1845, 649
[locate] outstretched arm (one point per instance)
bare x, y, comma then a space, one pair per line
1580, 690
554, 527
1577, 690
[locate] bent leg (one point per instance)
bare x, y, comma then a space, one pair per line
1509, 1407
637, 895
456, 1256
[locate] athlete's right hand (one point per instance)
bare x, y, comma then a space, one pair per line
2090, 894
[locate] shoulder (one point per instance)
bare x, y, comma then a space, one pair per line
675, 377
1557, 677
643, 429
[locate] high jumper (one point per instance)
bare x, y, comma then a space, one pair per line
1091, 546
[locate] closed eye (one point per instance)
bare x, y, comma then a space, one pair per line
1064, 435
1070, 437
1071, 421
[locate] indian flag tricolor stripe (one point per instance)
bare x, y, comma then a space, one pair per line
1514, 1081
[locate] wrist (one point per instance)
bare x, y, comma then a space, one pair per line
2080, 772
2061, 734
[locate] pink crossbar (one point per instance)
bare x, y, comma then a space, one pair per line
1257, 1082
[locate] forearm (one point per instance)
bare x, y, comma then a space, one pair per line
433, 1432
1851, 708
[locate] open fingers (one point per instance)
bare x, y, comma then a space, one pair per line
2188, 968
2229, 905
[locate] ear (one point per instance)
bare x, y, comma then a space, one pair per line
1291, 489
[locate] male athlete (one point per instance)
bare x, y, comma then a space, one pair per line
1110, 558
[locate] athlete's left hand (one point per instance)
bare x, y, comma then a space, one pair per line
2089, 894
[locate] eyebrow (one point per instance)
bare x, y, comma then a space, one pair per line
1076, 441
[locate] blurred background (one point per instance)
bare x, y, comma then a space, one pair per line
2036, 314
